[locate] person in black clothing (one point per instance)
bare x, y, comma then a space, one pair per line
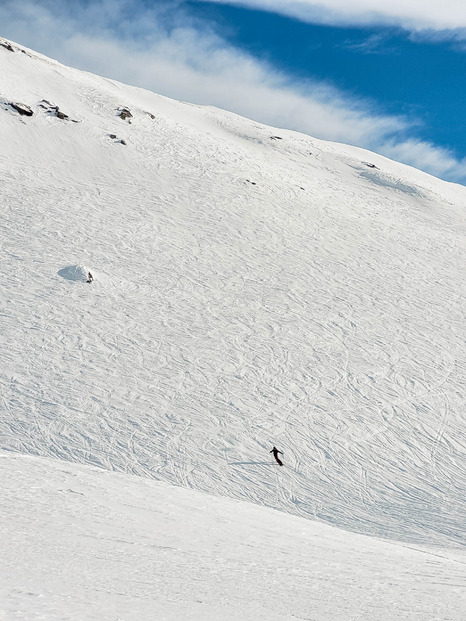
90, 278
275, 452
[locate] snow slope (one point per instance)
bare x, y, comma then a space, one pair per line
102, 546
253, 286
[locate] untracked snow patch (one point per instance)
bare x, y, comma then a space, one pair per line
83, 544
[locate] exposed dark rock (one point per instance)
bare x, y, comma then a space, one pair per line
125, 114
7, 46
152, 116
276, 138
61, 115
112, 136
123, 142
22, 109
370, 165
55, 111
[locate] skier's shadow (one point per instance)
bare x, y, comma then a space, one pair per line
251, 463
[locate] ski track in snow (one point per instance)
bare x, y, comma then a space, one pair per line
142, 549
248, 292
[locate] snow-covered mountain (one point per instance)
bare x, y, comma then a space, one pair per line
252, 287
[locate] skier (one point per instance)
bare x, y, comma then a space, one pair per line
90, 277
275, 452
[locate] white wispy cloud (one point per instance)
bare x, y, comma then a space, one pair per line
427, 156
413, 15
374, 44
170, 52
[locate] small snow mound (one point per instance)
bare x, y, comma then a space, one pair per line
76, 273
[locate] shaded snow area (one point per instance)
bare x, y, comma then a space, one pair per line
251, 287
104, 547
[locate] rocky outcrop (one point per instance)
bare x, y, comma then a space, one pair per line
125, 114
21, 108
7, 46
55, 111
117, 141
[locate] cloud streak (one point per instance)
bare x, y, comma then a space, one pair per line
170, 52
414, 15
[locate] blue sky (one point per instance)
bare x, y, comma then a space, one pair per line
400, 74
392, 80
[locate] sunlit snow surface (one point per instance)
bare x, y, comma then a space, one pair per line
81, 543
252, 286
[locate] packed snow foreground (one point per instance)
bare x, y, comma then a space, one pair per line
250, 288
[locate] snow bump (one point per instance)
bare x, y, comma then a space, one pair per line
75, 273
